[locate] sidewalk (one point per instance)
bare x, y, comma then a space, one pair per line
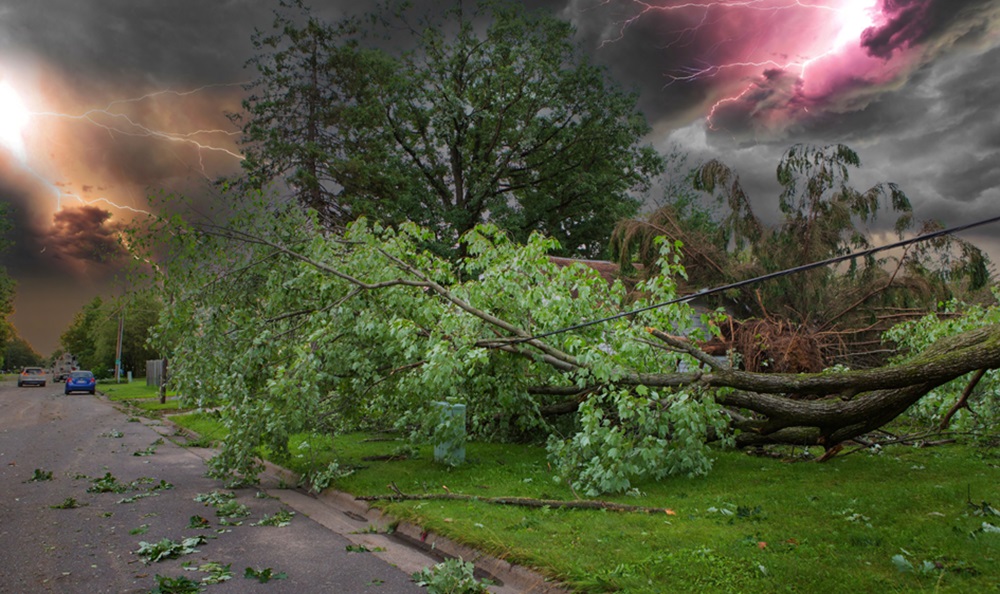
401, 544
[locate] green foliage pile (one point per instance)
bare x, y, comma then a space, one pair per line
452, 576
154, 552
286, 330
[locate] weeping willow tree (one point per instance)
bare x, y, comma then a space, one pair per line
823, 216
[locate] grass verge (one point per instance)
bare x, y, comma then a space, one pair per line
140, 396
902, 520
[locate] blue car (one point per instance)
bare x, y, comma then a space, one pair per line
81, 381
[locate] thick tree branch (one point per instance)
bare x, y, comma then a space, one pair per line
398, 495
963, 400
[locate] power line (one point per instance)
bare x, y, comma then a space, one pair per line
769, 276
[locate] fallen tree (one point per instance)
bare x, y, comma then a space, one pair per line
367, 329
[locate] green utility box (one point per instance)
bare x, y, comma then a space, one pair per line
450, 448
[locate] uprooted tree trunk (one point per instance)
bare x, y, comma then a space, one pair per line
769, 408
822, 409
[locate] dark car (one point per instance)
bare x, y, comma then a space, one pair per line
61, 376
31, 376
81, 381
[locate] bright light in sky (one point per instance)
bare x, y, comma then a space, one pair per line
854, 17
14, 117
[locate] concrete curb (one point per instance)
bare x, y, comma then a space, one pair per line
407, 546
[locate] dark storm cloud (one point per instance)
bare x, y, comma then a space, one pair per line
744, 58
909, 23
938, 135
645, 53
971, 178
85, 235
119, 42
22, 255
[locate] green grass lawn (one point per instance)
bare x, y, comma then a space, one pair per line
753, 525
140, 396
202, 424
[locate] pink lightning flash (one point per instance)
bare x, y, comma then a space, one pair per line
769, 61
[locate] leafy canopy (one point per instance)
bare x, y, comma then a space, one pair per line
981, 412
92, 337
7, 286
473, 115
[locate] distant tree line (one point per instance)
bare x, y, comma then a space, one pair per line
92, 337
19, 353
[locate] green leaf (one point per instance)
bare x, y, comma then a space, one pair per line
902, 564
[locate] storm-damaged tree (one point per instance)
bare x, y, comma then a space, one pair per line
480, 113
845, 309
287, 329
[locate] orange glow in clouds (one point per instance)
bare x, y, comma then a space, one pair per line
65, 146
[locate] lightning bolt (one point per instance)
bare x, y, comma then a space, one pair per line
114, 118
122, 123
839, 23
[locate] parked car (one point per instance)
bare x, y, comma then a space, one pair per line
31, 376
81, 381
61, 376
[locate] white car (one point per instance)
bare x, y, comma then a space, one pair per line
31, 376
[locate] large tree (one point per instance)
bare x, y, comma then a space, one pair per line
79, 338
132, 317
476, 114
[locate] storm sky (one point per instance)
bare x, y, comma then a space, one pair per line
105, 102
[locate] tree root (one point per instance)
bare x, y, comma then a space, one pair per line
398, 495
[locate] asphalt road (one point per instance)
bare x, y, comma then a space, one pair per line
93, 547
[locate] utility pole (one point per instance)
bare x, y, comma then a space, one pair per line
118, 350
